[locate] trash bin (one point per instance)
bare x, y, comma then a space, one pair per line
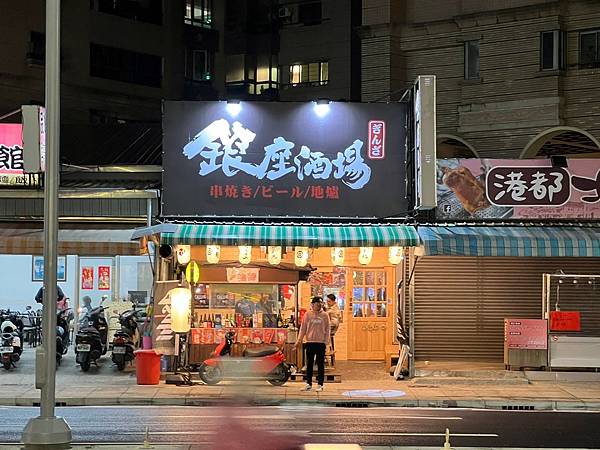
147, 366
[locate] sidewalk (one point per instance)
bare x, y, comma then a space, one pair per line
363, 384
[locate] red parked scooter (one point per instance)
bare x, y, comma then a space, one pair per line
266, 363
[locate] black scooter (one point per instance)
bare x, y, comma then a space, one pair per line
91, 339
63, 340
125, 339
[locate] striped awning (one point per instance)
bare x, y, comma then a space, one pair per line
97, 242
510, 241
292, 235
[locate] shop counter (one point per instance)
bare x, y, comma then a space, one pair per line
203, 341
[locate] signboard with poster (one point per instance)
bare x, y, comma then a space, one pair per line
104, 278
267, 159
505, 189
11, 158
526, 333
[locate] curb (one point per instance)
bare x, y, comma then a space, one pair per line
340, 402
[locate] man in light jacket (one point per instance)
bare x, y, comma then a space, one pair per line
315, 327
335, 318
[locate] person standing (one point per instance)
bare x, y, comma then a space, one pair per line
315, 327
335, 318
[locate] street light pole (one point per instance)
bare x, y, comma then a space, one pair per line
47, 430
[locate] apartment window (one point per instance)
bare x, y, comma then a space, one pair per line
310, 13
589, 49
36, 51
472, 60
199, 13
197, 65
312, 73
552, 50
149, 11
125, 65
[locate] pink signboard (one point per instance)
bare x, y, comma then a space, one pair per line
517, 189
526, 333
11, 149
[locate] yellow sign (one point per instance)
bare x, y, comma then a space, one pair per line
192, 272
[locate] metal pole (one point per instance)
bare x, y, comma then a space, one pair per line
48, 431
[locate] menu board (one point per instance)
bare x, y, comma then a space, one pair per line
526, 333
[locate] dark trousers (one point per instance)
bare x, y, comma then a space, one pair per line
315, 349
332, 351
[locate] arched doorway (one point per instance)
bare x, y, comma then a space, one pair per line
449, 146
562, 141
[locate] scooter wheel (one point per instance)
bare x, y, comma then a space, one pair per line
121, 366
58, 360
210, 374
6, 365
85, 366
279, 376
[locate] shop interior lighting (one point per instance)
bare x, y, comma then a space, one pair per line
395, 255
181, 302
274, 255
365, 255
301, 256
233, 107
213, 253
245, 254
322, 107
338, 255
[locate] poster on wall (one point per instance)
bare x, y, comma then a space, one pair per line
484, 189
104, 278
87, 278
37, 268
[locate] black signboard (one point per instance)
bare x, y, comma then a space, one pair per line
284, 159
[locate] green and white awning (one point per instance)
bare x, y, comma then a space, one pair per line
290, 235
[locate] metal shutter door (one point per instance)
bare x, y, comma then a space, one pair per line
461, 302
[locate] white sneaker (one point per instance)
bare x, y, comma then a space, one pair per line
319, 388
307, 387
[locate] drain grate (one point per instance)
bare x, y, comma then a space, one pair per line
352, 405
57, 404
518, 407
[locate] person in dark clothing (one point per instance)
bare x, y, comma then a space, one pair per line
39, 297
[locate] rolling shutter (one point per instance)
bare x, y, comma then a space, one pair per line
461, 302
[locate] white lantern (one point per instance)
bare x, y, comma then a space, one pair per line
396, 255
184, 254
181, 302
337, 256
213, 253
301, 256
245, 254
274, 255
365, 255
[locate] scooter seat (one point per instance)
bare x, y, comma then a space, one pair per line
261, 351
89, 330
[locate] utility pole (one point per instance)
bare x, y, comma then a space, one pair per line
48, 431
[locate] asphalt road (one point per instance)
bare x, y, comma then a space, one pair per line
312, 424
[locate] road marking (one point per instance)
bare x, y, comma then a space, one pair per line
405, 434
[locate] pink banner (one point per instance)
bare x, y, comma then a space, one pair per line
11, 149
488, 189
526, 333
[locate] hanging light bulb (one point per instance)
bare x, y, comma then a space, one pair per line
184, 254
337, 256
213, 253
365, 255
395, 255
274, 255
245, 254
301, 256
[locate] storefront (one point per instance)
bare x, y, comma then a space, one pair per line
470, 278
270, 223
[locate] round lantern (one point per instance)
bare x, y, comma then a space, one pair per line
274, 255
396, 255
301, 256
365, 255
245, 254
183, 254
213, 253
337, 256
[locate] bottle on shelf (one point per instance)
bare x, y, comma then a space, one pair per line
279, 320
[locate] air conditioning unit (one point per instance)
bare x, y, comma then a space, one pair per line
284, 13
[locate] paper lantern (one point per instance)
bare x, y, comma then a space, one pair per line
181, 302
192, 272
183, 254
365, 255
396, 255
245, 254
274, 255
301, 256
337, 256
213, 253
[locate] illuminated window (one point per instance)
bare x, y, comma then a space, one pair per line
312, 73
199, 13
